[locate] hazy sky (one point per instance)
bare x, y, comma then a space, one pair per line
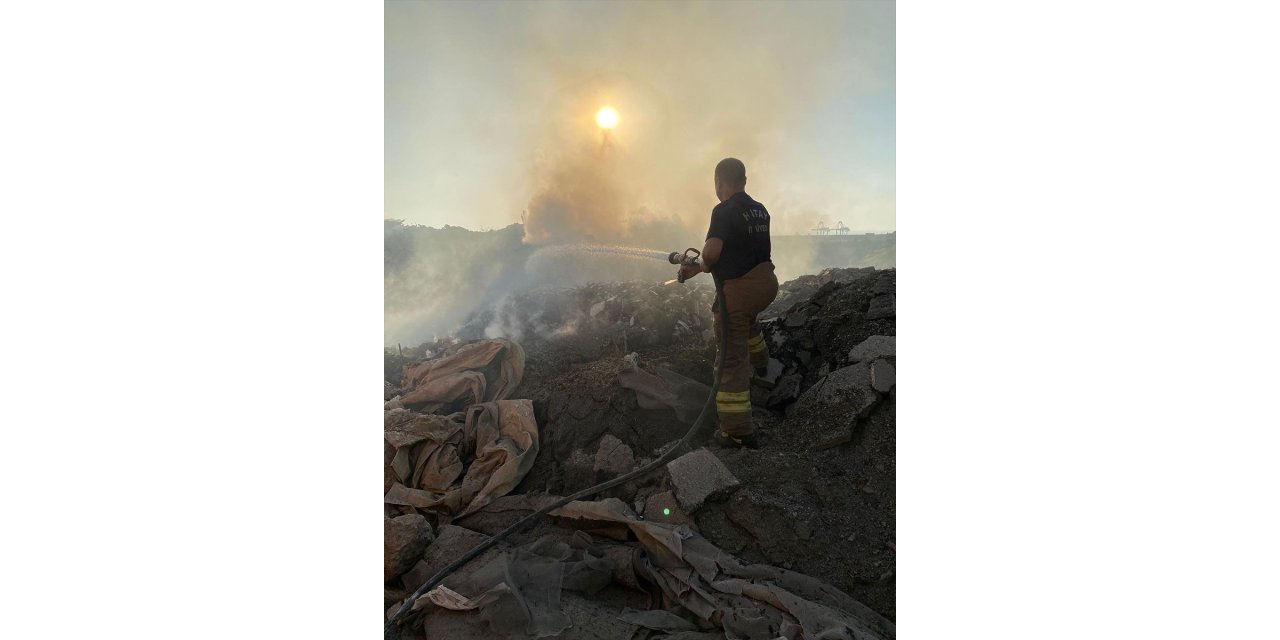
484, 100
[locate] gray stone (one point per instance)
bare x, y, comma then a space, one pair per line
614, 456
882, 376
798, 318
885, 283
404, 539
873, 348
774, 371
845, 394
698, 475
785, 390
882, 306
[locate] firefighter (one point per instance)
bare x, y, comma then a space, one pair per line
736, 254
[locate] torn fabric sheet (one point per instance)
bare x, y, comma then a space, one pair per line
495, 442
470, 373
750, 602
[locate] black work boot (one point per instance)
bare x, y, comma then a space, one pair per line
749, 441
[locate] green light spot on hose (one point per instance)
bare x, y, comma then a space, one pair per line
666, 511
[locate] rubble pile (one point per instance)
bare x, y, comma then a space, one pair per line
613, 374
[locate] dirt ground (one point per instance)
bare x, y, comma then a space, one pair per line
817, 498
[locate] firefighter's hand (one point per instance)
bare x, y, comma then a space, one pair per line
689, 270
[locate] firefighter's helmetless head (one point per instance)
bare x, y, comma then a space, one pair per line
731, 177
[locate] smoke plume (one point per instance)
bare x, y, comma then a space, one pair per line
692, 83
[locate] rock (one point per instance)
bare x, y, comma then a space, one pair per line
388, 475
837, 402
663, 507
785, 390
698, 475
614, 456
886, 282
882, 306
882, 376
798, 318
837, 433
388, 390
774, 371
874, 348
404, 540
847, 384
804, 530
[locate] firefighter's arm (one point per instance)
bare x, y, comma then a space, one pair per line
711, 253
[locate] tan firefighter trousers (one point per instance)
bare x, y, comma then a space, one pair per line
745, 298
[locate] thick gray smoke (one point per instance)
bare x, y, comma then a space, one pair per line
692, 83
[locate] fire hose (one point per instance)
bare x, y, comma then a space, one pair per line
690, 257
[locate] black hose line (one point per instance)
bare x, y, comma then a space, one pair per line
663, 459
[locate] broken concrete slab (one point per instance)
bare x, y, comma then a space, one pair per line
874, 348
882, 306
614, 456
847, 384
883, 376
785, 390
837, 402
663, 507
697, 476
404, 539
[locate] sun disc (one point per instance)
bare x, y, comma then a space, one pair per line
607, 118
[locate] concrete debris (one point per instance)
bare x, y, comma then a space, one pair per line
697, 476
404, 540
773, 371
840, 399
830, 379
614, 456
851, 384
784, 391
873, 348
882, 376
882, 306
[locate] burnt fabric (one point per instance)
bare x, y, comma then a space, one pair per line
494, 442
665, 389
744, 298
699, 586
469, 373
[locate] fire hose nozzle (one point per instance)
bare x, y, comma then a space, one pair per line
689, 257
